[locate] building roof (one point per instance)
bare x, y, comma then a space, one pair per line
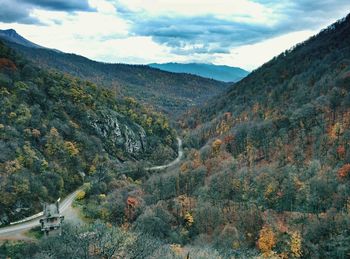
51, 210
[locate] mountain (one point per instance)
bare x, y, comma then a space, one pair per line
169, 92
265, 174
220, 73
275, 151
303, 75
57, 131
12, 36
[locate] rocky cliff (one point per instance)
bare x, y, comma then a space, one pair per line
118, 135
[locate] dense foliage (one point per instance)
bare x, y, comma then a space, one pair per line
55, 130
171, 93
267, 166
281, 141
266, 173
100, 240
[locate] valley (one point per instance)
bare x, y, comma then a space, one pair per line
174, 165
170, 93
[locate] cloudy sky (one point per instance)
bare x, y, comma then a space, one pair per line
244, 33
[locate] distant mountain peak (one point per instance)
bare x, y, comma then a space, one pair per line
218, 72
10, 31
12, 36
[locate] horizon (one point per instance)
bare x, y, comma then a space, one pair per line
133, 129
245, 34
147, 64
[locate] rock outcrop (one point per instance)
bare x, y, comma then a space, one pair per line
119, 133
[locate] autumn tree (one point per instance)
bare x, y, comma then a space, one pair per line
216, 146
266, 241
344, 171
296, 244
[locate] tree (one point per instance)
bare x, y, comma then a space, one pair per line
216, 146
189, 219
344, 171
266, 241
71, 148
295, 244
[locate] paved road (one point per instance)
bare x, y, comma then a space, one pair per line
16, 231
179, 156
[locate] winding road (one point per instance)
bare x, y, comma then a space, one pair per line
174, 162
16, 230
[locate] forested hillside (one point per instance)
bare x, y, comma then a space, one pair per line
275, 154
169, 92
56, 130
266, 172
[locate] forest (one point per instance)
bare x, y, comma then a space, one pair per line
169, 93
266, 172
56, 129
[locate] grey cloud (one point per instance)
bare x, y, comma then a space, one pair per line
309, 12
19, 10
209, 34
12, 12
206, 34
61, 5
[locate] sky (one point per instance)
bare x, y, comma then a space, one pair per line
242, 33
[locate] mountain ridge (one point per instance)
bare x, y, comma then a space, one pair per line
218, 72
278, 143
280, 69
168, 92
265, 172
12, 36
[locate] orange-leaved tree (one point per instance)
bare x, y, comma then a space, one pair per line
344, 171
266, 241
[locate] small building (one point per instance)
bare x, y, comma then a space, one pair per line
52, 219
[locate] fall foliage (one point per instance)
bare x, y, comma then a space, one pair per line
216, 146
344, 171
266, 241
296, 244
7, 63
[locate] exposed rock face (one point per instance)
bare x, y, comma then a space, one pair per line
4, 219
107, 126
119, 133
134, 141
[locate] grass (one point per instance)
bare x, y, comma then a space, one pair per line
35, 233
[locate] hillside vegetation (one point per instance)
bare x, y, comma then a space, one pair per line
56, 130
266, 173
168, 92
277, 146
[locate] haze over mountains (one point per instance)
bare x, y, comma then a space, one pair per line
217, 72
169, 92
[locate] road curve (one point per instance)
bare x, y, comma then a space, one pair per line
15, 231
179, 156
